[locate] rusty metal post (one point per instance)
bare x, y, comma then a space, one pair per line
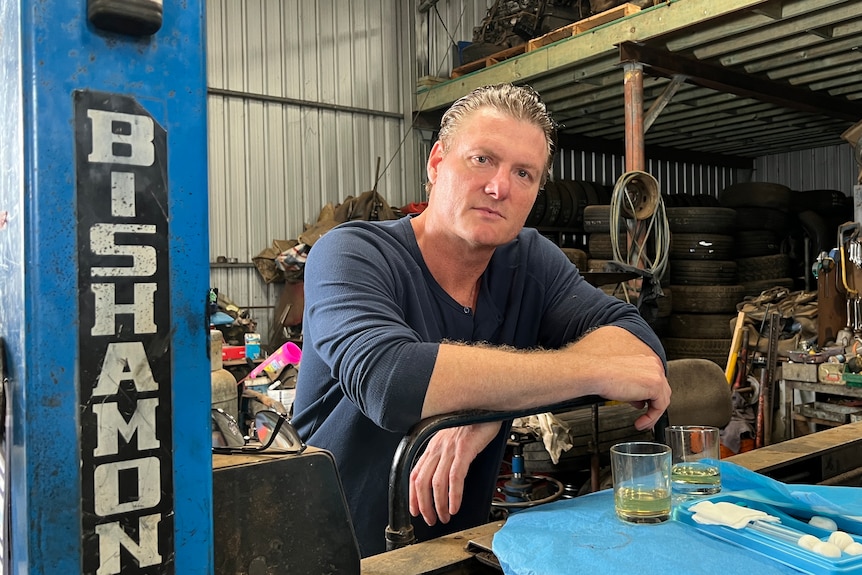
634, 105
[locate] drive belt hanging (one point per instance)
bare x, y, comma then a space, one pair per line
636, 199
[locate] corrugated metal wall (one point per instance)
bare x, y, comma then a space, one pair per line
673, 177
304, 97
830, 168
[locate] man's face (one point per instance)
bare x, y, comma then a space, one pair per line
485, 182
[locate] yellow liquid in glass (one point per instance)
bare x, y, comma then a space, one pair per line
642, 505
695, 478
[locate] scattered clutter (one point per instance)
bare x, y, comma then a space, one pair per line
232, 321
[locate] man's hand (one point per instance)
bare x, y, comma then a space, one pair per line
437, 479
642, 385
628, 371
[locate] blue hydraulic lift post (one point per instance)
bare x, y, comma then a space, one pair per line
103, 288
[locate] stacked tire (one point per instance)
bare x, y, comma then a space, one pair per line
559, 209
763, 221
597, 226
703, 276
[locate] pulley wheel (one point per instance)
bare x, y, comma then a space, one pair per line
641, 195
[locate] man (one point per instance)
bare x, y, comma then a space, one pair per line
457, 308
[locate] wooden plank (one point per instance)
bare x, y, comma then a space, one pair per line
779, 454
550, 37
614, 13
429, 81
488, 60
430, 556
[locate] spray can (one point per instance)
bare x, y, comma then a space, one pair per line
289, 353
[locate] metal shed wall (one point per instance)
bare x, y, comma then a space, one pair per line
829, 168
303, 98
673, 177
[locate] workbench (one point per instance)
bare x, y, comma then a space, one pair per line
790, 415
834, 454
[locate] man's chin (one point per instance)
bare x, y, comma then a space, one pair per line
492, 240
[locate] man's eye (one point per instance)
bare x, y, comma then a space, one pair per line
482, 159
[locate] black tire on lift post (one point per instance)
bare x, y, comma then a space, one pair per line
753, 218
762, 267
579, 198
757, 287
592, 194
567, 205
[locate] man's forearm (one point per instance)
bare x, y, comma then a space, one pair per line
485, 377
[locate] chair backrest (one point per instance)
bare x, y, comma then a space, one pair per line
701, 395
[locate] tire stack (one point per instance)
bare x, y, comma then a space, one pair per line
763, 221
597, 224
558, 212
703, 276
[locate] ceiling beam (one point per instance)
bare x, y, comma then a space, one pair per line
724, 80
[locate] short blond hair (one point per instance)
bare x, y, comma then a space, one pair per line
520, 102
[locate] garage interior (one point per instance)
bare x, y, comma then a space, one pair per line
708, 170
746, 116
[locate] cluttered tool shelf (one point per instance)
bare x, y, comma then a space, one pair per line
821, 413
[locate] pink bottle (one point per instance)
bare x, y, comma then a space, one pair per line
289, 353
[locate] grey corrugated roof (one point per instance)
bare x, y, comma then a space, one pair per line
763, 76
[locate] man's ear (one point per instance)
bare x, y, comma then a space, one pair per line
434, 159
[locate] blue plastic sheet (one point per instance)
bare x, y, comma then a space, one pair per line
584, 535
843, 504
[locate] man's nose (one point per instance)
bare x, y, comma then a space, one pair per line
499, 185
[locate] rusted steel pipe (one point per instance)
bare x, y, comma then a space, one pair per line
633, 84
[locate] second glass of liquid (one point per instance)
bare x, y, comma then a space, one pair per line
695, 451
